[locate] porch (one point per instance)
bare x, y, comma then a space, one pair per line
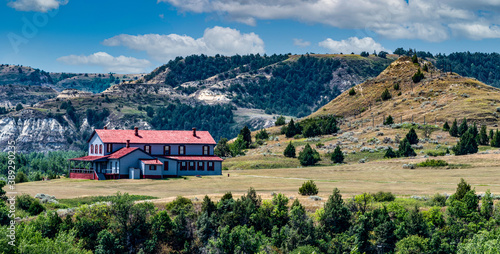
92, 167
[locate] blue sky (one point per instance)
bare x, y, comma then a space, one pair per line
137, 36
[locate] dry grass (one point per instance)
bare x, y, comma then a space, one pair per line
351, 179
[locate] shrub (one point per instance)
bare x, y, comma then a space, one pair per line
280, 121
418, 76
389, 120
446, 126
21, 177
425, 68
389, 153
432, 163
24, 201
438, 200
308, 156
352, 92
179, 204
364, 54
414, 58
412, 137
436, 153
307, 249
308, 188
337, 155
384, 196
36, 208
386, 95
262, 134
19, 107
396, 86
289, 150
466, 145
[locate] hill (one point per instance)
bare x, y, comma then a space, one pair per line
440, 96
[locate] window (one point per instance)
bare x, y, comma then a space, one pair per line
92, 148
210, 166
182, 150
152, 167
191, 165
183, 165
165, 165
147, 149
109, 148
201, 166
100, 149
166, 150
206, 150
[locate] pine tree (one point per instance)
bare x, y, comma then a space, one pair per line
495, 141
289, 150
425, 68
352, 92
414, 58
308, 156
337, 155
466, 145
389, 120
446, 126
290, 130
280, 121
463, 127
386, 95
390, 153
405, 149
247, 136
336, 217
412, 137
483, 136
419, 75
454, 129
492, 133
396, 86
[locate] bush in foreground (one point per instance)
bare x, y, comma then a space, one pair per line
308, 188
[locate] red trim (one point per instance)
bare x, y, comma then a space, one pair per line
151, 176
123, 177
89, 176
92, 148
194, 158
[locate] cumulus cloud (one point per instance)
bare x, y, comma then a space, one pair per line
398, 19
36, 5
476, 31
121, 64
301, 43
353, 44
217, 40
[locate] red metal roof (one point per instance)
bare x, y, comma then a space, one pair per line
89, 158
155, 137
152, 162
122, 152
194, 158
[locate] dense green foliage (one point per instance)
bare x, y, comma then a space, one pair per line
432, 163
247, 136
389, 153
308, 156
352, 92
199, 67
289, 150
262, 135
446, 126
389, 120
405, 149
251, 225
454, 129
222, 148
308, 188
467, 143
202, 117
495, 140
39, 165
386, 95
280, 121
418, 76
412, 137
337, 155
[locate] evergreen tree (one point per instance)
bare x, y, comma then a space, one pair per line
335, 218
389, 153
337, 155
352, 92
262, 134
425, 68
418, 76
311, 130
389, 120
396, 86
289, 150
308, 156
386, 95
454, 129
414, 58
291, 130
463, 127
412, 137
247, 136
466, 145
492, 133
405, 149
19, 107
222, 148
495, 141
446, 126
280, 121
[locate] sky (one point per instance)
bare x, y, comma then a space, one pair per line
137, 36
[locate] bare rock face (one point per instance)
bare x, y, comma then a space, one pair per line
33, 133
72, 93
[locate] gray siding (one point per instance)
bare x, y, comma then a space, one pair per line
96, 141
132, 160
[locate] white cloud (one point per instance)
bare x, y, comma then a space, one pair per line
476, 31
217, 40
36, 5
121, 64
396, 19
352, 44
301, 43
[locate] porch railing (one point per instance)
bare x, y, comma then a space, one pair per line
82, 170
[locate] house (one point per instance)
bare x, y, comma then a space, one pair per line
133, 154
